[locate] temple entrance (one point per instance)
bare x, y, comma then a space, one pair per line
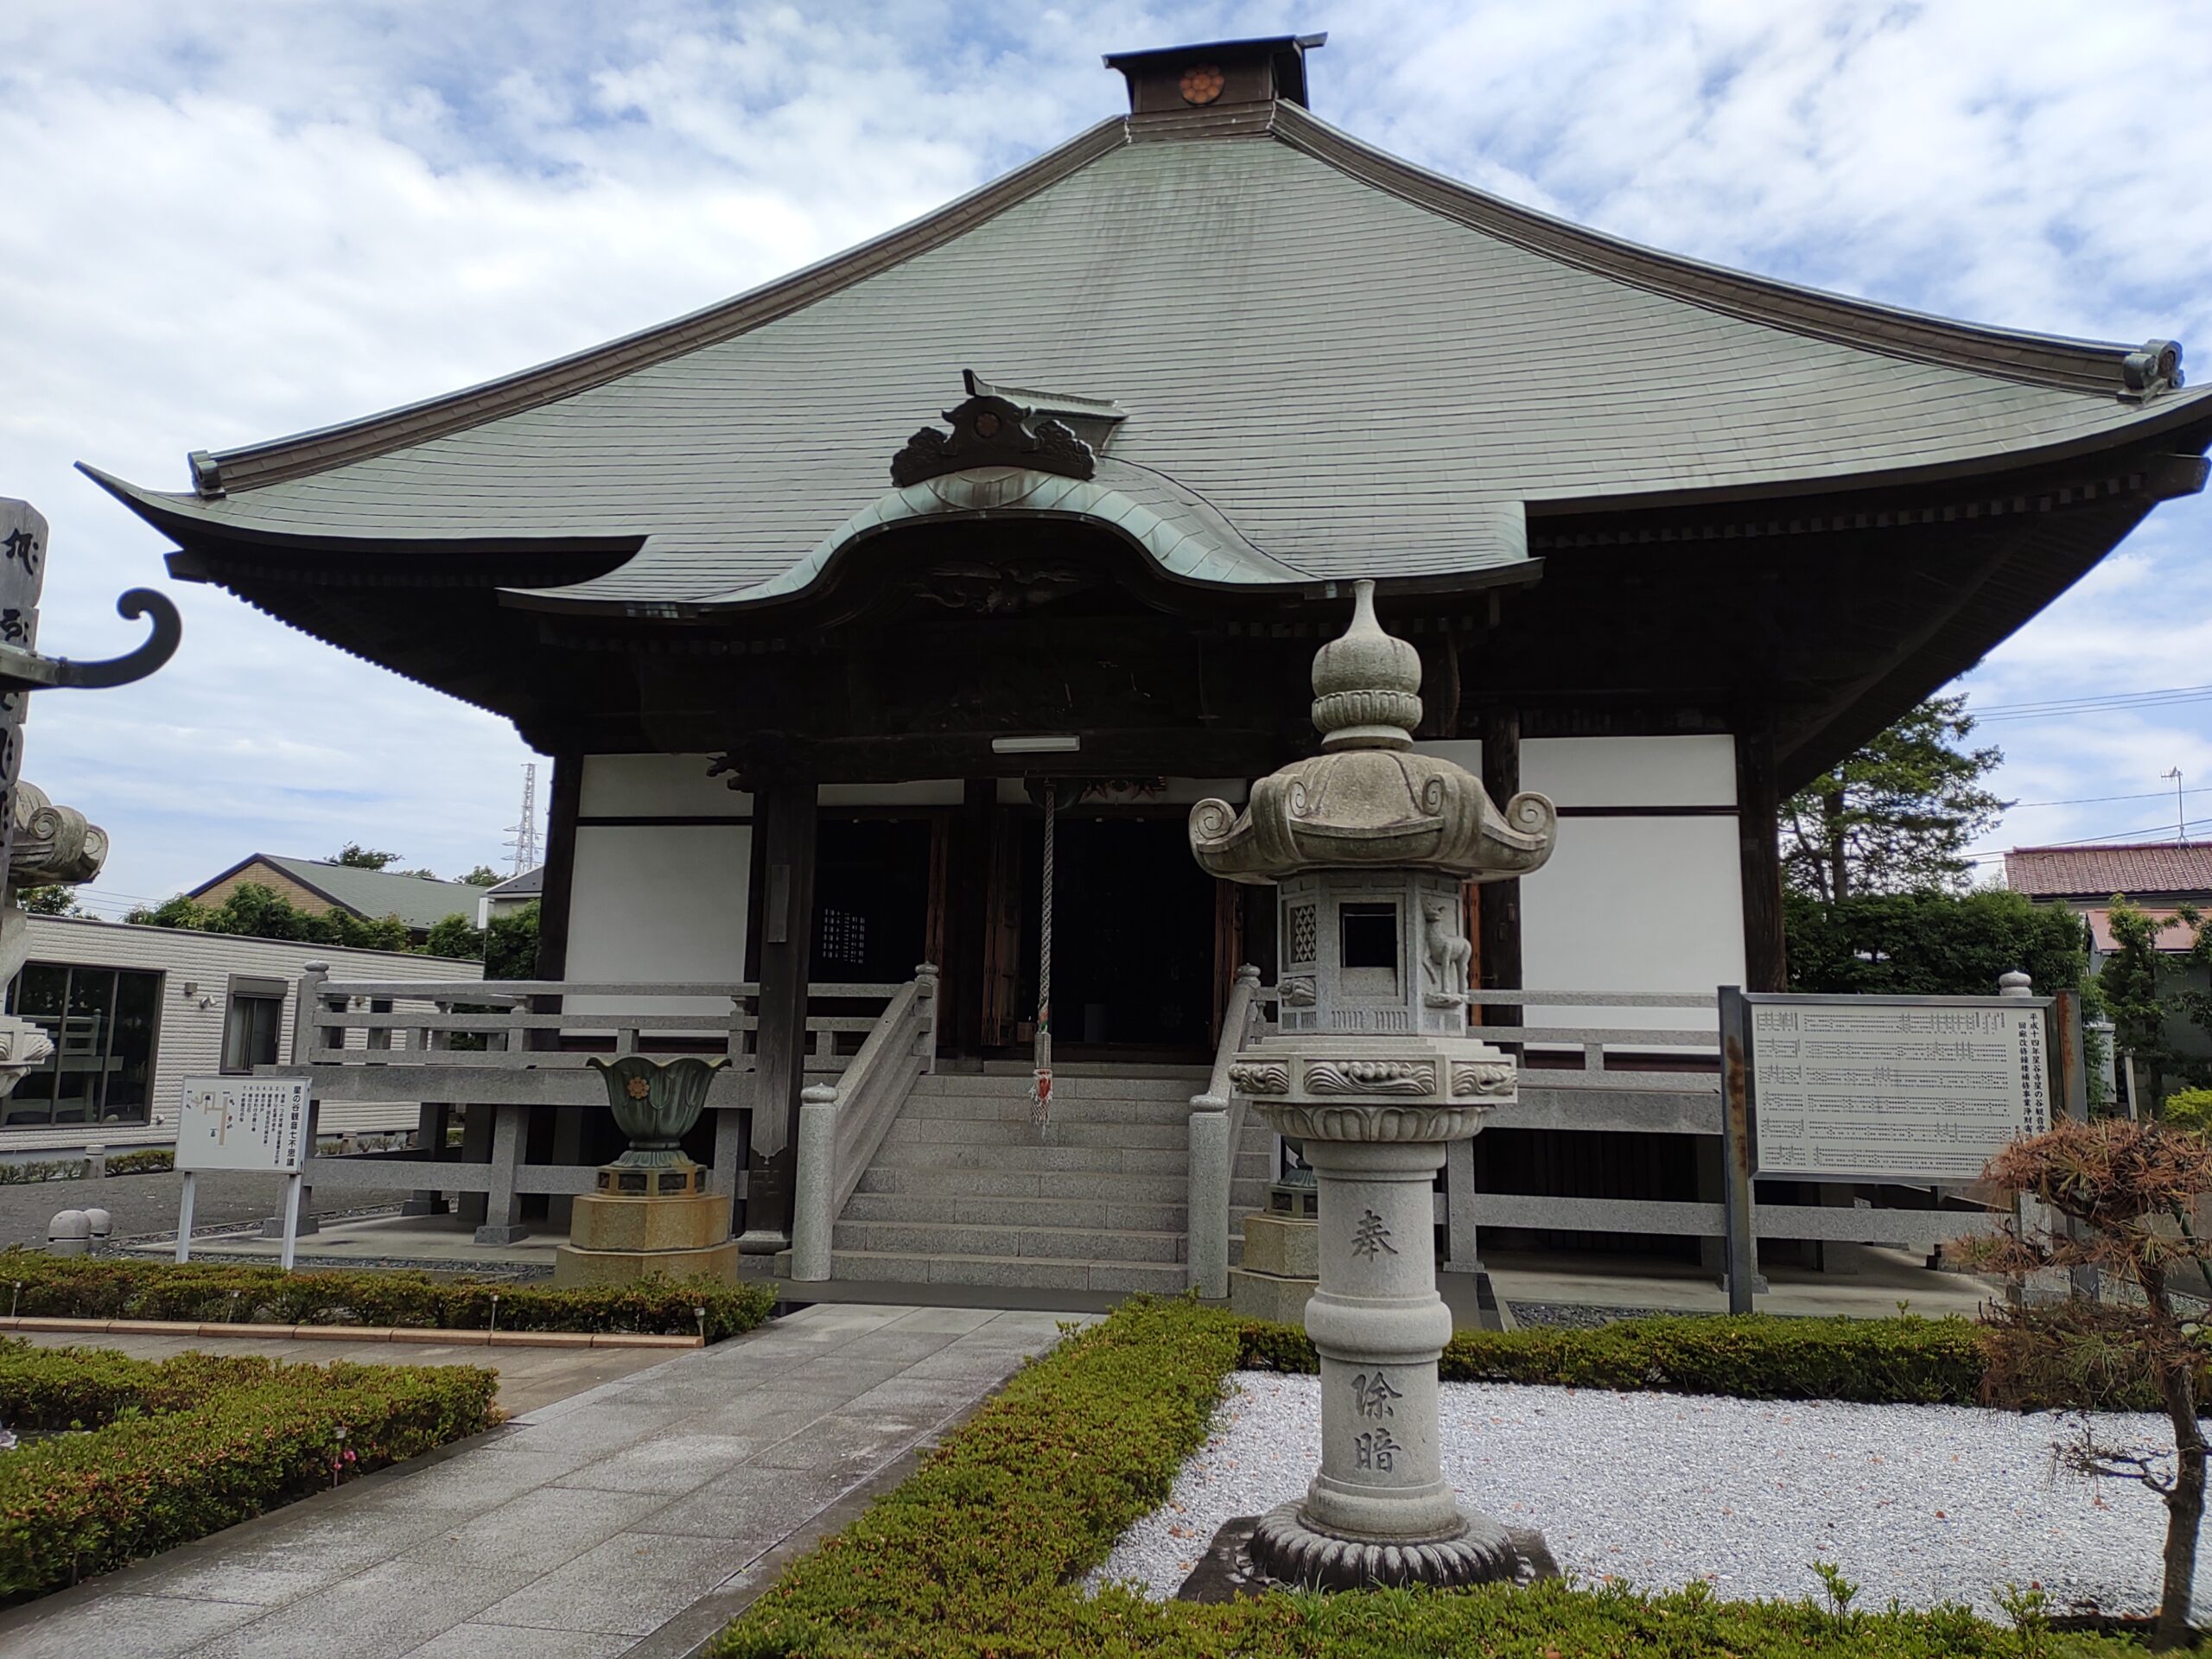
1133, 952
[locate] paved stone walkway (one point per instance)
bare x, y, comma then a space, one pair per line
625, 1520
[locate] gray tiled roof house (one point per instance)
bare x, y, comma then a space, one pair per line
421, 902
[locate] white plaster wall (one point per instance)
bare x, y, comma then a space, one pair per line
660, 902
656, 786
1645, 902
1630, 770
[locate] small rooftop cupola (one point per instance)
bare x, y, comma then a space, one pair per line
1220, 78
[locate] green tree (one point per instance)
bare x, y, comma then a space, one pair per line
511, 944
1932, 943
355, 856
1898, 816
56, 900
260, 912
2141, 988
483, 876
457, 936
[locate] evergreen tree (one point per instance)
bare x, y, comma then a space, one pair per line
1898, 816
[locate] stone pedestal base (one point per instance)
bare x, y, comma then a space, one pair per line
695, 1222
1281, 1270
572, 1265
647, 1219
1288, 1550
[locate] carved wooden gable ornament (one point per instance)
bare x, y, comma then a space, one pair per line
989, 431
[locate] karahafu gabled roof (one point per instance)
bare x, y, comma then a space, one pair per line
1359, 367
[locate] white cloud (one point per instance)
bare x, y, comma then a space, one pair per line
230, 221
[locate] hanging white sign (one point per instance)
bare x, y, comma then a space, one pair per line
1918, 1090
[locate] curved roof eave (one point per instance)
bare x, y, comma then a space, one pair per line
186, 517
1185, 537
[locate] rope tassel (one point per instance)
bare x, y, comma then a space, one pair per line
1040, 1089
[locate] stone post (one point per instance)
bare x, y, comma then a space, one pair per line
811, 1221
1205, 1222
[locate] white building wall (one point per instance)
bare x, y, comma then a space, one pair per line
1634, 900
189, 1039
663, 857
1642, 892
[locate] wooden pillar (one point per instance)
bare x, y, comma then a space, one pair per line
1498, 950
967, 907
787, 813
1758, 805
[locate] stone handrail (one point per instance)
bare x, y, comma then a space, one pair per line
841, 1126
521, 1025
1216, 1124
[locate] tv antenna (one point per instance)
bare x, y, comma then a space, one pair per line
522, 834
2181, 817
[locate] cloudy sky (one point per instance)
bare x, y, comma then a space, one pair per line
226, 222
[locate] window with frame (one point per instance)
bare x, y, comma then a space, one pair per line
102, 1022
253, 1024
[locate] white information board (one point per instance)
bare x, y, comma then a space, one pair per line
256, 1123
1917, 1090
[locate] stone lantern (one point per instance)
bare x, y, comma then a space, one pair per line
1372, 1069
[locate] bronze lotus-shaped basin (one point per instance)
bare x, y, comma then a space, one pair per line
656, 1102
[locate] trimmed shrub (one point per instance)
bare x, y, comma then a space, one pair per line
2190, 1109
1754, 1356
180, 1448
1932, 943
974, 1554
147, 1160
123, 1287
46, 1169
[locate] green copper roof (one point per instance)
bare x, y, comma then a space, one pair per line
1330, 363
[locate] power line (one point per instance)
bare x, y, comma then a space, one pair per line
2099, 800
2105, 703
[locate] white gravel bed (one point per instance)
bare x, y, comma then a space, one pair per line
1926, 1503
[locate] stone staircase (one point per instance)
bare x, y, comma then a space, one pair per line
965, 1191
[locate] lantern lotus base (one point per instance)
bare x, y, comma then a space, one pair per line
1289, 1550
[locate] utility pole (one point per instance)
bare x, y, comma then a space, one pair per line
522, 836
2181, 815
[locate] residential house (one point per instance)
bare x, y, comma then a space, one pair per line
318, 884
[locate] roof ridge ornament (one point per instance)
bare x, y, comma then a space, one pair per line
2152, 367
992, 431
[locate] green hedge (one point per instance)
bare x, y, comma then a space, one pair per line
1876, 1361
184, 1447
46, 1169
974, 1555
149, 1160
127, 1288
